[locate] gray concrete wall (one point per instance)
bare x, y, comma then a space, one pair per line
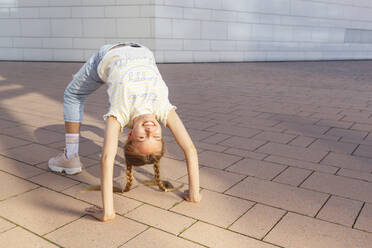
188, 30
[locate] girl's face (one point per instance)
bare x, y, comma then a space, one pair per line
146, 134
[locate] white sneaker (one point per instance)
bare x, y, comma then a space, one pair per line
60, 163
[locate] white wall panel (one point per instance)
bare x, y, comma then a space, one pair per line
223, 45
31, 3
10, 28
87, 43
180, 3
6, 42
196, 45
23, 42
24, 12
168, 12
208, 4
134, 28
86, 12
99, 27
55, 12
57, 42
223, 15
262, 32
4, 12
186, 29
177, 56
11, 53
68, 55
214, 30
204, 56
199, 14
35, 28
168, 44
64, 3
38, 54
67, 27
162, 28
283, 33
123, 11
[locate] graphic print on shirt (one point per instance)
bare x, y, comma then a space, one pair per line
131, 59
139, 81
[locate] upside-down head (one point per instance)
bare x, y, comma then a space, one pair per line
135, 158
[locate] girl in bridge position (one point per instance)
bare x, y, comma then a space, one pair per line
139, 101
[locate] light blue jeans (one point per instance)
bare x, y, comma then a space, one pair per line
84, 83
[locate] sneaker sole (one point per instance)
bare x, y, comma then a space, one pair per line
69, 171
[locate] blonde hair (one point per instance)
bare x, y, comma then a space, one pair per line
134, 158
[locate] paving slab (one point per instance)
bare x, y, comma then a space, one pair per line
302, 164
258, 221
42, 210
302, 141
334, 146
275, 137
10, 142
256, 168
305, 154
292, 176
53, 181
296, 230
33, 134
153, 196
122, 204
209, 147
19, 238
216, 208
88, 232
31, 154
19, 169
217, 160
365, 176
216, 180
364, 151
5, 225
348, 162
155, 238
340, 210
161, 219
364, 219
12, 186
213, 236
341, 186
243, 143
245, 153
279, 195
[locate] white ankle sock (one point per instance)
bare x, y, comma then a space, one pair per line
72, 144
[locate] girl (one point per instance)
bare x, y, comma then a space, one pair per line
138, 100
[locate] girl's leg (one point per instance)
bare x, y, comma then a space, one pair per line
84, 83
72, 127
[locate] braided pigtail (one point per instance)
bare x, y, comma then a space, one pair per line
130, 178
157, 177
134, 158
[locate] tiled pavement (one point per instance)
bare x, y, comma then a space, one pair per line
285, 153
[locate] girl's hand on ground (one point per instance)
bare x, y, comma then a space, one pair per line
194, 199
98, 213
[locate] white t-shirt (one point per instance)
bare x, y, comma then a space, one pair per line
135, 86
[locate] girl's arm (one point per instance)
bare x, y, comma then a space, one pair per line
183, 139
112, 132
